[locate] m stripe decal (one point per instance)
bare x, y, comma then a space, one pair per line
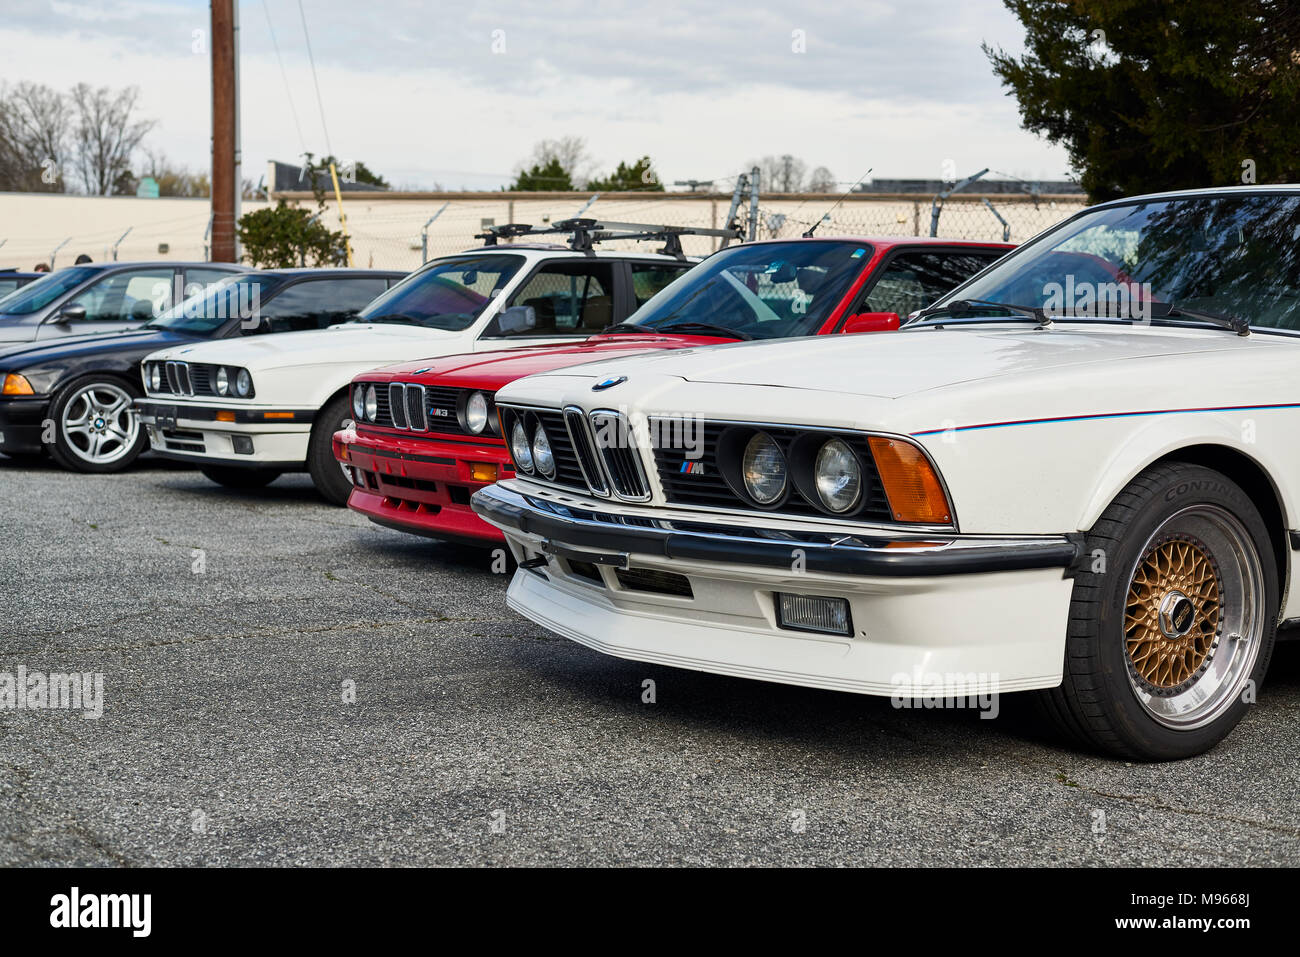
1106, 415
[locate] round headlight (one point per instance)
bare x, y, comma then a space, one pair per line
476, 412
372, 404
359, 403
243, 383
542, 456
223, 381
155, 376
520, 448
763, 468
838, 476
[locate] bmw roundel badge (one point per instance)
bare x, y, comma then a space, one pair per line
609, 383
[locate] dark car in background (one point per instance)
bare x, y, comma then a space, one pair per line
73, 396
102, 297
12, 279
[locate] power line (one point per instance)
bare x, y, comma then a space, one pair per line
315, 82
288, 92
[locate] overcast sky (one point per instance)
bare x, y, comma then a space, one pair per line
457, 93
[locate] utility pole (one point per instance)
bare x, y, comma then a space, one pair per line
225, 131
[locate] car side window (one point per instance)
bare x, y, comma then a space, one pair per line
913, 280
200, 277
568, 299
130, 295
649, 278
317, 303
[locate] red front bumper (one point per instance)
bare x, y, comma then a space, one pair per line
422, 485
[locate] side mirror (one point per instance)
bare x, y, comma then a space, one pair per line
72, 312
872, 322
517, 319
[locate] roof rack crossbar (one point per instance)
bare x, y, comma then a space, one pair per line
585, 232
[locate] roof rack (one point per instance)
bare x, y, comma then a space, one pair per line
585, 233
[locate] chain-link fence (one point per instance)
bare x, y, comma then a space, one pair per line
399, 231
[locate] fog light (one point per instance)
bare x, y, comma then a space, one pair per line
242, 444
827, 616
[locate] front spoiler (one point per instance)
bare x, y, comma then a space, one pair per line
562, 527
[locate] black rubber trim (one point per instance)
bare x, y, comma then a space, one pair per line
205, 413
245, 462
535, 517
404, 456
1295, 541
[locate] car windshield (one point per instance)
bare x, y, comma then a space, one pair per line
205, 312
1224, 256
40, 293
448, 294
760, 291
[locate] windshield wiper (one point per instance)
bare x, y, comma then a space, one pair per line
625, 326
961, 307
395, 317
705, 327
1238, 325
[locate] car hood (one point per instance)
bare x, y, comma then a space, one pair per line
492, 370
17, 328
47, 351
349, 343
895, 364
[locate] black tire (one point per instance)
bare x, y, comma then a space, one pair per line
73, 456
1128, 666
232, 476
325, 470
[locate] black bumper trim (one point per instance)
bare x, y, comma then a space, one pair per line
243, 462
728, 544
403, 456
208, 413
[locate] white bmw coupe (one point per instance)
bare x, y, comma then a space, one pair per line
1078, 474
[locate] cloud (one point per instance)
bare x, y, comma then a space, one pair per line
418, 92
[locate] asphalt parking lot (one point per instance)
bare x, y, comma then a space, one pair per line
477, 738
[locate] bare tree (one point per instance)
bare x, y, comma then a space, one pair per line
34, 125
569, 151
106, 136
821, 180
175, 180
781, 174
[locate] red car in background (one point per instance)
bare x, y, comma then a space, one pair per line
427, 436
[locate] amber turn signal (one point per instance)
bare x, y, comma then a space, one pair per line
225, 415
484, 471
17, 385
914, 491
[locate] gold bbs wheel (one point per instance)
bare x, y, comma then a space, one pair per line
1194, 616
1173, 616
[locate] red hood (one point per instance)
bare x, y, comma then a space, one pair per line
492, 370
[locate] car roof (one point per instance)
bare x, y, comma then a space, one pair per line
1259, 189
887, 241
332, 272
555, 250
